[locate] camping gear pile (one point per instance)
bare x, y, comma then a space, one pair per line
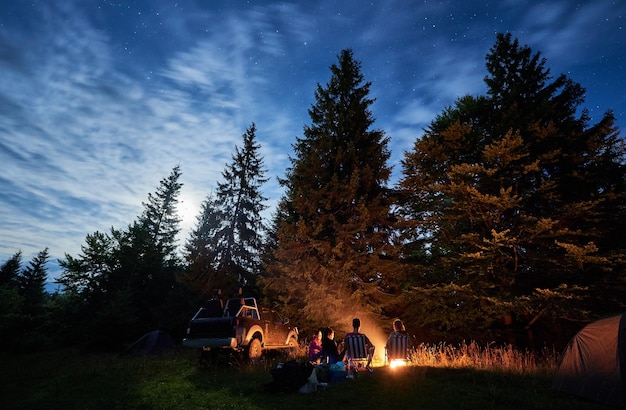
304, 377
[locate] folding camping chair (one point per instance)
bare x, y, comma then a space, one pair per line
397, 349
356, 352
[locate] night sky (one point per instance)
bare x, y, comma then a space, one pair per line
100, 100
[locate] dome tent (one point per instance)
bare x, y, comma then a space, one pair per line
593, 364
154, 342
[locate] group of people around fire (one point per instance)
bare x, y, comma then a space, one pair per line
324, 349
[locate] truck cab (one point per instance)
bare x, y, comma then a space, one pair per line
242, 326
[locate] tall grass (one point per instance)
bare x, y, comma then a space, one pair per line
491, 358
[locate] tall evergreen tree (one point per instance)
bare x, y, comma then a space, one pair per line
200, 254
509, 196
23, 303
334, 239
160, 218
149, 251
31, 283
224, 250
10, 269
11, 303
126, 279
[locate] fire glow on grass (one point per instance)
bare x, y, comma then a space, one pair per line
398, 363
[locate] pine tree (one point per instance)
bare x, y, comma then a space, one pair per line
200, 255
11, 303
149, 250
127, 278
160, 218
334, 237
10, 269
224, 250
508, 199
31, 283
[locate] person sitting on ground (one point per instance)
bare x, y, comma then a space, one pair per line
329, 347
369, 346
315, 347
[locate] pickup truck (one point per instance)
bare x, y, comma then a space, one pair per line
240, 326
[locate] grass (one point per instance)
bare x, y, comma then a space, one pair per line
506, 359
443, 377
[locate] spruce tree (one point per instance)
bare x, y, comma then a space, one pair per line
224, 250
149, 250
10, 269
200, 255
333, 250
160, 218
31, 283
11, 303
125, 280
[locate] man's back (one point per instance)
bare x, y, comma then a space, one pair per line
367, 340
358, 345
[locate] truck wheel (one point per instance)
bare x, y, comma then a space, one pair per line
255, 351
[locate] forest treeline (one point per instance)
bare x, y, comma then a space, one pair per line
507, 220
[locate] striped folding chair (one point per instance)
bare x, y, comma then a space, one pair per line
397, 349
356, 351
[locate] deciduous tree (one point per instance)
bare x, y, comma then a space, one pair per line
514, 201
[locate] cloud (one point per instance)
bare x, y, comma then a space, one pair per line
94, 141
100, 101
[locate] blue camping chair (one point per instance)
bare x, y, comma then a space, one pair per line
397, 349
356, 352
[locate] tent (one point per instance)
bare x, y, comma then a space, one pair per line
154, 342
593, 364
